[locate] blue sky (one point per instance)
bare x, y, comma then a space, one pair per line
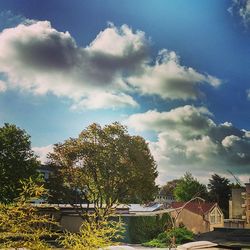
176, 72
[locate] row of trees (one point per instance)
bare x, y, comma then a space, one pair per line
184, 189
102, 166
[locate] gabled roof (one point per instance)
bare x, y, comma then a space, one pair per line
200, 208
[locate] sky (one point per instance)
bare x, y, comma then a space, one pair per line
175, 72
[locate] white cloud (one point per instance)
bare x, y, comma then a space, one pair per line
42, 152
40, 59
36, 57
189, 140
242, 9
3, 86
105, 100
170, 80
187, 120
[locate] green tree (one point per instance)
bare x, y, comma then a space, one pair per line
188, 188
17, 161
219, 191
106, 166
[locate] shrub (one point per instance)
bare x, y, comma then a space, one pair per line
21, 225
94, 234
171, 237
145, 228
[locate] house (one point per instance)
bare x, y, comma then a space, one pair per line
162, 197
45, 171
198, 216
239, 208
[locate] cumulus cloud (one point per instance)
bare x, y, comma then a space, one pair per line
40, 59
189, 140
242, 9
36, 57
42, 152
170, 80
9, 19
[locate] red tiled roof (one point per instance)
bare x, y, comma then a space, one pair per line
200, 208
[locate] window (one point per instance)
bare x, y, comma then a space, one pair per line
215, 216
212, 217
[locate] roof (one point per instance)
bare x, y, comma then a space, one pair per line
200, 208
45, 168
145, 208
123, 209
232, 238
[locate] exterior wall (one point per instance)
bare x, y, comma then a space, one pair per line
216, 218
164, 199
192, 221
198, 223
234, 223
71, 223
235, 204
246, 197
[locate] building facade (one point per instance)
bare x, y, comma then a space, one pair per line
239, 207
198, 216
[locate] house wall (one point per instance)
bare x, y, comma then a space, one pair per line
192, 221
197, 223
247, 205
71, 223
216, 218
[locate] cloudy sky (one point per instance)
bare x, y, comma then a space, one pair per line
176, 72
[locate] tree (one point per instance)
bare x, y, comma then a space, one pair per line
21, 224
106, 166
17, 161
219, 191
169, 187
188, 188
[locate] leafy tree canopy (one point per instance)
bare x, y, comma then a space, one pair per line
188, 188
17, 161
219, 191
105, 166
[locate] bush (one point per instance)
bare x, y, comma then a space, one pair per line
21, 224
145, 228
174, 236
94, 234
154, 243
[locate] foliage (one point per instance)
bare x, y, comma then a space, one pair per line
105, 166
188, 188
169, 187
94, 234
145, 228
219, 191
17, 161
171, 237
21, 225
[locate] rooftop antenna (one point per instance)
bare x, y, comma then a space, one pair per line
236, 178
